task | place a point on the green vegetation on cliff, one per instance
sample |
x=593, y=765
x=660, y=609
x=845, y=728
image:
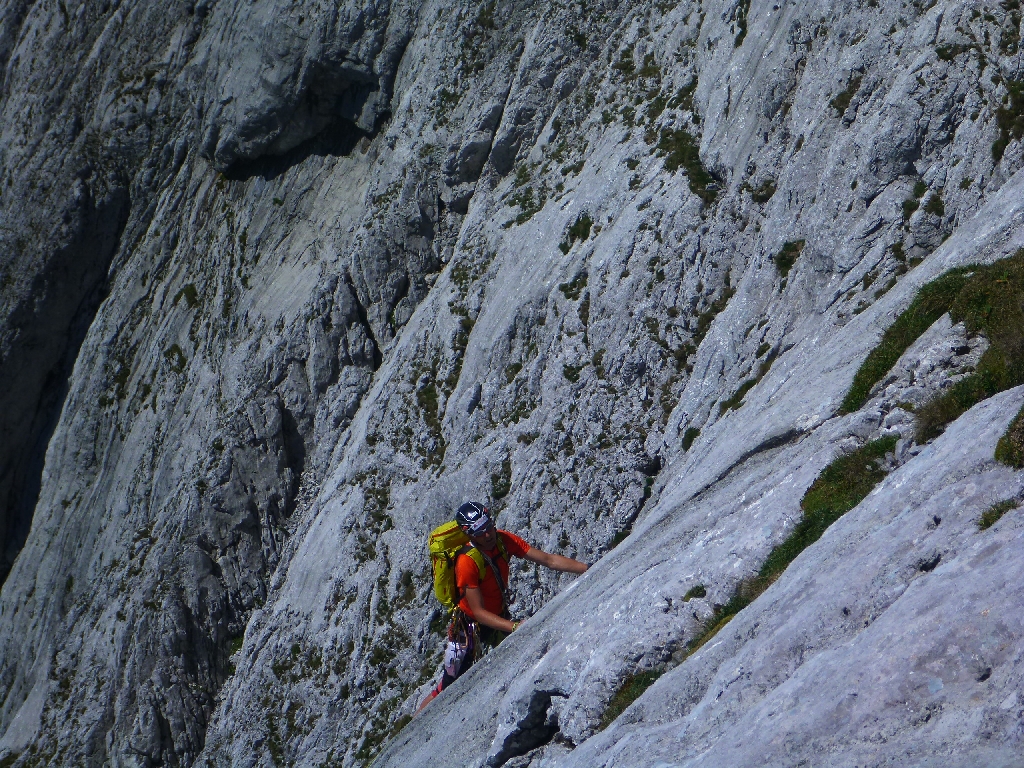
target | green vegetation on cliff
x=989, y=300
x=840, y=487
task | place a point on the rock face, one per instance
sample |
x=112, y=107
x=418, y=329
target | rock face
x=282, y=284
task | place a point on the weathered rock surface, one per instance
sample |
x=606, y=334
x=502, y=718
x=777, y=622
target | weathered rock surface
x=282, y=284
x=893, y=641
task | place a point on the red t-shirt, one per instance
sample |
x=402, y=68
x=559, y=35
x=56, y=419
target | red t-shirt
x=468, y=575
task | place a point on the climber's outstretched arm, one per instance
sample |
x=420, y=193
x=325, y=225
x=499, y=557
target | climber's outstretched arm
x=557, y=562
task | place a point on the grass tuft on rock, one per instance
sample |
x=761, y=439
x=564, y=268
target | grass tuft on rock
x=991, y=303
x=574, y=288
x=175, y=358
x=935, y=205
x=698, y=591
x=741, y=22
x=1010, y=448
x=991, y=515
x=705, y=318
x=736, y=400
x=682, y=150
x=786, y=258
x=1009, y=118
x=989, y=300
x=840, y=487
x=580, y=230
x=572, y=372
x=763, y=193
x=630, y=690
x=842, y=100
x=501, y=482
x=931, y=303
x=400, y=723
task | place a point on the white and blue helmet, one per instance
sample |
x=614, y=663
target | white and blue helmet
x=473, y=518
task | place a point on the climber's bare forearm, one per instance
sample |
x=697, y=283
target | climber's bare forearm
x=556, y=562
x=476, y=604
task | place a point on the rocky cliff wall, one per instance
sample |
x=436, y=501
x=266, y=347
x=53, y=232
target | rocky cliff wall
x=283, y=284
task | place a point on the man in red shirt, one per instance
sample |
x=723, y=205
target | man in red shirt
x=482, y=614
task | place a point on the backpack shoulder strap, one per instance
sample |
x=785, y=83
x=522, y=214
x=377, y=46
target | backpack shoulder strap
x=476, y=556
x=502, y=586
x=509, y=599
x=484, y=562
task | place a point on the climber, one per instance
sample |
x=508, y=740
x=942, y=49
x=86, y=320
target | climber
x=482, y=613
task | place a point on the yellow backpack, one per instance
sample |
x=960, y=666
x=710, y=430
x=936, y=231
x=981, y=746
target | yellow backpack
x=446, y=543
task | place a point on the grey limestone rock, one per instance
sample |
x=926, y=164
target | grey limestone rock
x=282, y=284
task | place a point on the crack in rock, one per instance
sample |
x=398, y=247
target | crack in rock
x=537, y=728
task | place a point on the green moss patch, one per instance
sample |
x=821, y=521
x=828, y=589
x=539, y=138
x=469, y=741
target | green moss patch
x=630, y=690
x=1009, y=118
x=992, y=514
x=1010, y=448
x=840, y=487
x=931, y=303
x=681, y=150
x=786, y=258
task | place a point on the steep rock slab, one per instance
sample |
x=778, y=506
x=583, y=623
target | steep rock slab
x=546, y=368
x=891, y=641
x=628, y=613
x=929, y=639
x=83, y=144
x=244, y=321
x=534, y=377
x=512, y=387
